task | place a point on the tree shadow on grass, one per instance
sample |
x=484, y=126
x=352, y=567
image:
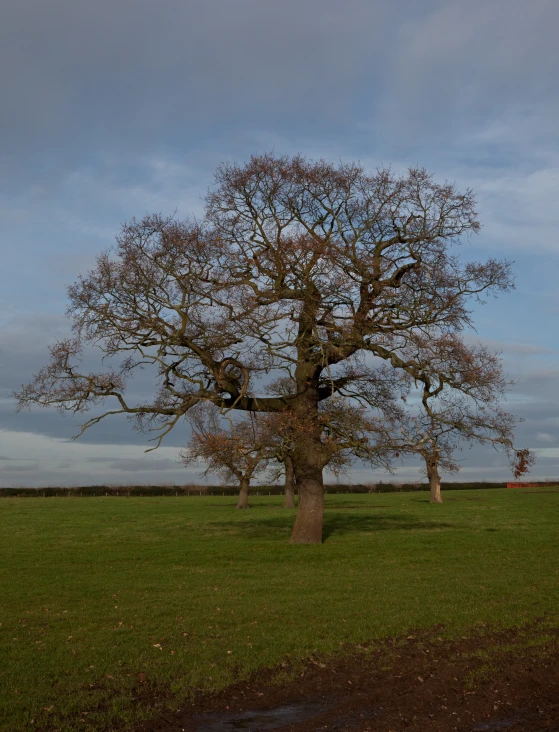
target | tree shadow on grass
x=447, y=500
x=338, y=524
x=342, y=524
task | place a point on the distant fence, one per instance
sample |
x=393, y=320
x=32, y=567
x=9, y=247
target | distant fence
x=259, y=490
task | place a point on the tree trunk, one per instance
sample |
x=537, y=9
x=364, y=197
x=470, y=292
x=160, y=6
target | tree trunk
x=289, y=484
x=243, y=494
x=434, y=482
x=309, y=455
x=310, y=510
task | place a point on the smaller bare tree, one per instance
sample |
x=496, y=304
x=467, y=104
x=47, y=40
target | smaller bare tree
x=447, y=422
x=436, y=444
x=237, y=453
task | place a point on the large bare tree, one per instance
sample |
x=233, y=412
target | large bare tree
x=306, y=269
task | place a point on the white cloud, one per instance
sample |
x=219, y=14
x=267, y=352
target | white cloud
x=22, y=445
x=69, y=462
x=547, y=452
x=545, y=437
x=520, y=210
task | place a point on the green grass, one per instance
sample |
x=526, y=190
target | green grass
x=189, y=594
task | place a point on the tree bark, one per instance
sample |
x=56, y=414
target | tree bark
x=309, y=455
x=434, y=483
x=242, y=501
x=289, y=484
x=307, y=528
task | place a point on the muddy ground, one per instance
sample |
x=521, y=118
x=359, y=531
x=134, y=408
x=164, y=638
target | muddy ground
x=487, y=683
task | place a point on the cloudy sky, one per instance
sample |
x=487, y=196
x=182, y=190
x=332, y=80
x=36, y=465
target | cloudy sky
x=116, y=109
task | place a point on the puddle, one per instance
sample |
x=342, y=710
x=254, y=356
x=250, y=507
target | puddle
x=496, y=725
x=261, y=720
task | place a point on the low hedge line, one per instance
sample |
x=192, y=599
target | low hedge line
x=212, y=490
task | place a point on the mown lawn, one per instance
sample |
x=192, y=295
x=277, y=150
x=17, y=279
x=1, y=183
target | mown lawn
x=102, y=599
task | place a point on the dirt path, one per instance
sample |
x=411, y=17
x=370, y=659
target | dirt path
x=505, y=681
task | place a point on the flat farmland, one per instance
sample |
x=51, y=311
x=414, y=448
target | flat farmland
x=115, y=609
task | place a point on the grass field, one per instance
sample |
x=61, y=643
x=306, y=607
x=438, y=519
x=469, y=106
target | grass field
x=102, y=598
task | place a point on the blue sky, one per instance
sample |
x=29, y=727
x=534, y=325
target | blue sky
x=116, y=109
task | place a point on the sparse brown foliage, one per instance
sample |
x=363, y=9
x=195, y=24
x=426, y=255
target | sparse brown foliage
x=524, y=459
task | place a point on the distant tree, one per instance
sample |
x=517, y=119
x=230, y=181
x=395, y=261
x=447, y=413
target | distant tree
x=299, y=268
x=236, y=452
x=436, y=444
x=447, y=419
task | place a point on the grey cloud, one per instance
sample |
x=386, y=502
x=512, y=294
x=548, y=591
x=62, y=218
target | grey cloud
x=98, y=459
x=115, y=430
x=74, y=478
x=24, y=344
x=462, y=62
x=541, y=376
x=144, y=465
x=19, y=460
x=20, y=468
x=113, y=74
x=90, y=72
x=540, y=387
x=63, y=478
x=518, y=349
x=512, y=202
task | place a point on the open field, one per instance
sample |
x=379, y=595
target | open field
x=105, y=601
